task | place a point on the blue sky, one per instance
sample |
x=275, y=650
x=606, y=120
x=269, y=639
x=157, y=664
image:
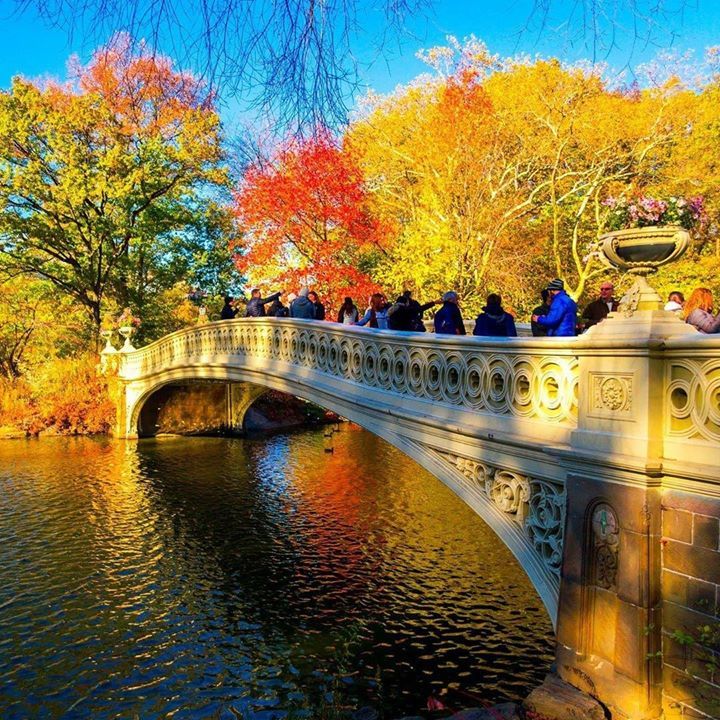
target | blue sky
x=32, y=49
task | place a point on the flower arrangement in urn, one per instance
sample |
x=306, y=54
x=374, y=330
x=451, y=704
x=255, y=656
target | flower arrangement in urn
x=643, y=233
x=127, y=319
x=645, y=211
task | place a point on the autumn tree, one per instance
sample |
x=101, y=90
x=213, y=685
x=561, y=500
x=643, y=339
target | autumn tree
x=589, y=142
x=306, y=221
x=94, y=173
x=496, y=169
x=454, y=179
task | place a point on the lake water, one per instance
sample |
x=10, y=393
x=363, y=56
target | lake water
x=250, y=578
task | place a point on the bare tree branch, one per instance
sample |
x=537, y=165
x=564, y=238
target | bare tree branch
x=290, y=60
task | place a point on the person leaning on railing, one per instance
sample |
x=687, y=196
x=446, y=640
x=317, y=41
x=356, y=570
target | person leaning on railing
x=448, y=319
x=698, y=311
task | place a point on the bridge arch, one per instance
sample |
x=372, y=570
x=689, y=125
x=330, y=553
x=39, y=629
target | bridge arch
x=497, y=495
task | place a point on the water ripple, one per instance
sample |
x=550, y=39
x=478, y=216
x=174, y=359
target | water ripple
x=244, y=578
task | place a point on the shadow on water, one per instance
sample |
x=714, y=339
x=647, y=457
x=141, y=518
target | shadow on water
x=208, y=575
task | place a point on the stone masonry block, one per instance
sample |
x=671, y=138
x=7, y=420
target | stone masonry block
x=675, y=654
x=638, y=561
x=692, y=691
x=675, y=710
x=701, y=596
x=630, y=641
x=706, y=531
x=674, y=587
x=677, y=525
x=689, y=502
x=558, y=700
x=695, y=561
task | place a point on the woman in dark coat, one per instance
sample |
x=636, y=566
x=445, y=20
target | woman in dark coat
x=493, y=321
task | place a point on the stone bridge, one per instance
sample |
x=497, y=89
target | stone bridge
x=594, y=459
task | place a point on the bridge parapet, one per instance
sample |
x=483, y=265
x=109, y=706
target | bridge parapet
x=521, y=379
x=691, y=388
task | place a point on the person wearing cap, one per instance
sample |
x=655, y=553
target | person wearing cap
x=598, y=309
x=448, y=319
x=561, y=318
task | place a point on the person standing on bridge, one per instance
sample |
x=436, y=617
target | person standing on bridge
x=599, y=309
x=376, y=316
x=561, y=319
x=417, y=310
x=319, y=307
x=348, y=314
x=302, y=307
x=493, y=321
x=278, y=307
x=256, y=304
x=698, y=311
x=229, y=311
x=448, y=319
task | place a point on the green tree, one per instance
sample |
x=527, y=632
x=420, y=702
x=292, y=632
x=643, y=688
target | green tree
x=94, y=171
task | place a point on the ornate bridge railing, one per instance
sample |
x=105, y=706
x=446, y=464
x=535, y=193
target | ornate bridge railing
x=519, y=379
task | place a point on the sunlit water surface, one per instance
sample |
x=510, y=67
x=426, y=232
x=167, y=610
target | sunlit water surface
x=255, y=578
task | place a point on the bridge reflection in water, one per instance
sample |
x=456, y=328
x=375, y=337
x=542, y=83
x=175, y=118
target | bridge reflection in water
x=566, y=447
x=212, y=576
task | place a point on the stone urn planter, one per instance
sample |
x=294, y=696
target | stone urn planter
x=643, y=250
x=127, y=332
x=640, y=252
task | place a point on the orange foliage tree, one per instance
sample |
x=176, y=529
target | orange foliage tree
x=306, y=221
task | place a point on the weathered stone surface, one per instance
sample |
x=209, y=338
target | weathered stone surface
x=557, y=700
x=694, y=561
x=675, y=587
x=691, y=502
x=705, y=532
x=677, y=525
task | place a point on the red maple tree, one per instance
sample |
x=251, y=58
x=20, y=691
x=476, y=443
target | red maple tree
x=306, y=221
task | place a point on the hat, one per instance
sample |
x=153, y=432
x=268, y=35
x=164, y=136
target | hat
x=555, y=285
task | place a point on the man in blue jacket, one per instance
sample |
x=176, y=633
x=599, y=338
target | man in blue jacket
x=561, y=319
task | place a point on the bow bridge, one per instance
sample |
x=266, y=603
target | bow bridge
x=594, y=459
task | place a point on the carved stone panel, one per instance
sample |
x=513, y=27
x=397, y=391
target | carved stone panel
x=605, y=531
x=611, y=396
x=537, y=505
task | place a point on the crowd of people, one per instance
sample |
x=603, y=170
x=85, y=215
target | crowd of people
x=556, y=316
